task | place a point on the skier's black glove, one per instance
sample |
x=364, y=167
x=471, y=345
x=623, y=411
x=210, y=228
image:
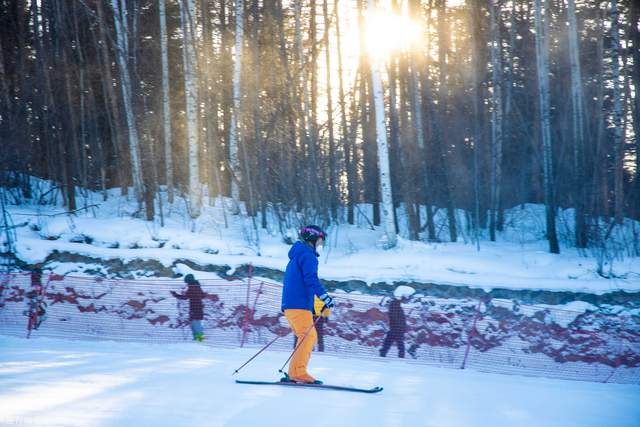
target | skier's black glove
x=327, y=300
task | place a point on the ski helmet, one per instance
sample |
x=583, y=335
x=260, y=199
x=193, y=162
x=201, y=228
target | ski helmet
x=311, y=233
x=189, y=278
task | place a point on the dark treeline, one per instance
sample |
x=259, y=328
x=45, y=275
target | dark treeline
x=497, y=103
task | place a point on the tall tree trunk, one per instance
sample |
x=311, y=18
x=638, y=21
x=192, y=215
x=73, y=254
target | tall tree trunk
x=395, y=148
x=496, y=118
x=333, y=189
x=251, y=205
x=81, y=66
x=383, y=150
x=428, y=112
x=313, y=69
x=226, y=104
x=634, y=35
x=308, y=131
x=417, y=110
x=443, y=47
x=577, y=104
x=618, y=143
x=48, y=127
x=346, y=140
x=234, y=137
x=508, y=122
x=166, y=107
x=260, y=143
x=370, y=169
x=475, y=16
x=111, y=102
x=187, y=19
x=542, y=44
x=72, y=153
x=122, y=55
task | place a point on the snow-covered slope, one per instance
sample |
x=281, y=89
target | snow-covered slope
x=47, y=382
x=518, y=260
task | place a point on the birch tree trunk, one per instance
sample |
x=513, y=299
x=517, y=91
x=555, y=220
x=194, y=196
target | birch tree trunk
x=166, y=107
x=383, y=150
x=541, y=41
x=496, y=118
x=234, y=139
x=395, y=149
x=187, y=20
x=122, y=55
x=260, y=147
x=617, y=115
x=577, y=110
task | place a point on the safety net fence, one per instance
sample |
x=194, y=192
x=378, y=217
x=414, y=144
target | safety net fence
x=499, y=336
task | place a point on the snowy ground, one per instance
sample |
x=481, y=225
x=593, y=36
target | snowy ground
x=47, y=382
x=519, y=259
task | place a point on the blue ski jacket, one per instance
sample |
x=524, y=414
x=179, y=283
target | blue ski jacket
x=301, y=281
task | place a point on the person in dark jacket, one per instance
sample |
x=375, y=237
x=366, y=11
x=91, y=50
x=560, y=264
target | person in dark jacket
x=37, y=306
x=195, y=295
x=301, y=284
x=397, y=328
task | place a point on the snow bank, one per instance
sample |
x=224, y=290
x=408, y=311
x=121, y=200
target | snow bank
x=516, y=261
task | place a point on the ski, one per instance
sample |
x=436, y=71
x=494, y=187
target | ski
x=323, y=386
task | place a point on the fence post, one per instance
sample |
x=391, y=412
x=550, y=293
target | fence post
x=470, y=334
x=255, y=301
x=245, y=325
x=615, y=368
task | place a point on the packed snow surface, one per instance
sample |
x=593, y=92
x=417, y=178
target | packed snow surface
x=51, y=382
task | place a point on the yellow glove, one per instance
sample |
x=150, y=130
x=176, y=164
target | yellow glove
x=317, y=308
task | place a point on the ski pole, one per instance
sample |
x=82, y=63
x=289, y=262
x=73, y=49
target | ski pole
x=300, y=342
x=256, y=355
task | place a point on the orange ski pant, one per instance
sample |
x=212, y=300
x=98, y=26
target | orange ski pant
x=301, y=321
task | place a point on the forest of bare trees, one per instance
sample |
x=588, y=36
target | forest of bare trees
x=307, y=106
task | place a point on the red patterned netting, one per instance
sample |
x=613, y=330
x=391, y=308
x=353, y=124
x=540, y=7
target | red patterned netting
x=494, y=335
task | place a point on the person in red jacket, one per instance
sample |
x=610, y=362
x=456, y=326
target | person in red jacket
x=195, y=295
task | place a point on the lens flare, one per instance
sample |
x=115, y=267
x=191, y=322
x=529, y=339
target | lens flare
x=389, y=32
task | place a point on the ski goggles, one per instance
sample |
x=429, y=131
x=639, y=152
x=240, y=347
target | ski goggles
x=319, y=234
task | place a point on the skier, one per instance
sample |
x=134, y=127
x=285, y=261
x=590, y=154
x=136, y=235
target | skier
x=397, y=325
x=301, y=283
x=194, y=294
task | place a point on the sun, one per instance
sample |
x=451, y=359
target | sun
x=387, y=32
